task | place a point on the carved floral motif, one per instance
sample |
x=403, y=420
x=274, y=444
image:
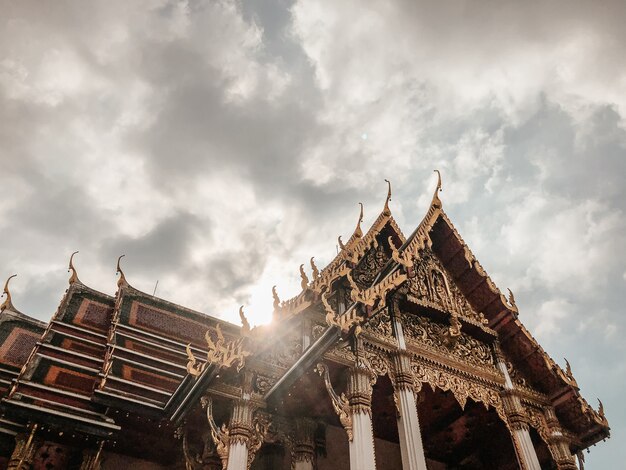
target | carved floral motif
x=432, y=287
x=435, y=336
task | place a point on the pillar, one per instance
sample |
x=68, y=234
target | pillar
x=359, y=395
x=558, y=443
x=518, y=420
x=411, y=446
x=240, y=435
x=91, y=458
x=26, y=444
x=303, y=456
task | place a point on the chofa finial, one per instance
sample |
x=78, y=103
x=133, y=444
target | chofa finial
x=122, y=280
x=601, y=409
x=276, y=298
x=341, y=245
x=7, y=304
x=304, y=280
x=357, y=231
x=316, y=272
x=436, y=199
x=386, y=210
x=245, y=325
x=74, y=276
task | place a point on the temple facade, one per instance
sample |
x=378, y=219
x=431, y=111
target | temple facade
x=400, y=354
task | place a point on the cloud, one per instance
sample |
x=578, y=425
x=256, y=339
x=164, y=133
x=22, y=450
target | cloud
x=220, y=144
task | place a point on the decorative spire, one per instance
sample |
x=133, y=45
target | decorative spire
x=568, y=369
x=436, y=201
x=601, y=409
x=122, y=280
x=512, y=299
x=245, y=325
x=304, y=283
x=276, y=298
x=7, y=304
x=386, y=210
x=74, y=276
x=316, y=272
x=341, y=245
x=357, y=231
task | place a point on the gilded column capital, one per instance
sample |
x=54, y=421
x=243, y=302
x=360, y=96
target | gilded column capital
x=26, y=444
x=402, y=375
x=361, y=378
x=515, y=412
x=304, y=440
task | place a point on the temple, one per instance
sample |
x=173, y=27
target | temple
x=401, y=353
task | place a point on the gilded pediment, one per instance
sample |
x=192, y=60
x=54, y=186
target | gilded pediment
x=433, y=287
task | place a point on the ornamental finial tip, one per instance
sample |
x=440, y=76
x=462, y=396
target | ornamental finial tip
x=341, y=245
x=436, y=199
x=122, y=280
x=386, y=210
x=74, y=276
x=600, y=408
x=316, y=272
x=276, y=298
x=357, y=231
x=245, y=325
x=304, y=280
x=7, y=302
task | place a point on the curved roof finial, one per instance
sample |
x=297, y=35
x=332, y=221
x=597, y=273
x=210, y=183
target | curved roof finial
x=357, y=231
x=304, y=282
x=245, y=325
x=436, y=199
x=7, y=304
x=122, y=280
x=276, y=298
x=386, y=210
x=74, y=276
x=316, y=272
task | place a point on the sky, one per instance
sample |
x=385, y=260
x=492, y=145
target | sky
x=220, y=144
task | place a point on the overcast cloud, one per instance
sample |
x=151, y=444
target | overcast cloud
x=221, y=144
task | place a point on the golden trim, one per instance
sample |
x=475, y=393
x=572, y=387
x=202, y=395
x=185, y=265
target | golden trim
x=74, y=276
x=7, y=304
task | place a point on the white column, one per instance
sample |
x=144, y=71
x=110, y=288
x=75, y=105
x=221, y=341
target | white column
x=359, y=394
x=411, y=446
x=304, y=444
x=362, y=456
x=524, y=448
x=244, y=440
x=237, y=456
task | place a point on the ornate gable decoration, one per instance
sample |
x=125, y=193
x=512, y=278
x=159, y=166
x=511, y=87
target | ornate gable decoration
x=432, y=287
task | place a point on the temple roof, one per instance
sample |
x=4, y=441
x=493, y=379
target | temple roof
x=131, y=351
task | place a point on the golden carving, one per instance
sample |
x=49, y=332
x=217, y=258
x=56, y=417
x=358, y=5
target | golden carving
x=316, y=272
x=339, y=402
x=304, y=280
x=221, y=352
x=219, y=435
x=377, y=293
x=122, y=280
x=345, y=321
x=74, y=276
x=404, y=259
x=434, y=336
x=431, y=287
x=7, y=304
x=276, y=299
x=462, y=388
x=386, y=210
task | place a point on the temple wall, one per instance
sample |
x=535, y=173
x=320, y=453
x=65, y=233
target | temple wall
x=112, y=461
x=338, y=458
